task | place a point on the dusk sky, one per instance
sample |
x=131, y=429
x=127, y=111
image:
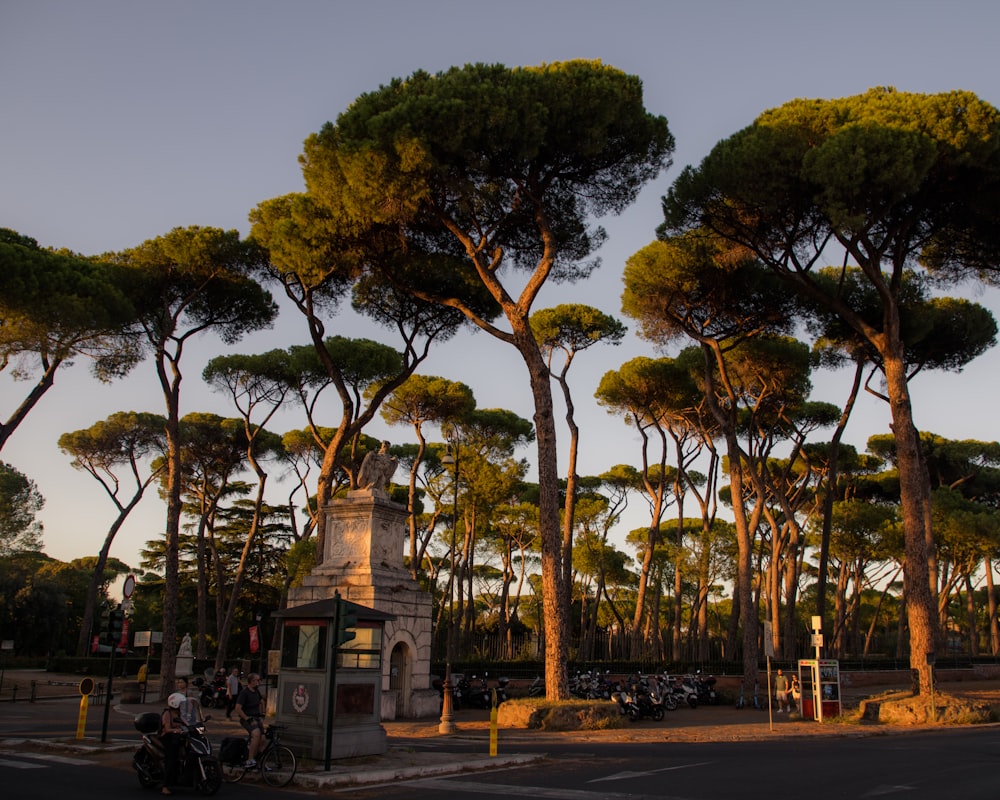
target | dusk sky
x=123, y=120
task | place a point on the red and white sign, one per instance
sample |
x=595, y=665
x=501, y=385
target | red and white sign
x=254, y=639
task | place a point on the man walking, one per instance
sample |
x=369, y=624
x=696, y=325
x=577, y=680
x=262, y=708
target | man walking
x=781, y=692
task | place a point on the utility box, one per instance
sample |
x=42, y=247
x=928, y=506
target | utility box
x=330, y=691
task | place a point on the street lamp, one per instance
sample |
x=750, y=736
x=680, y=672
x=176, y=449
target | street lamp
x=447, y=724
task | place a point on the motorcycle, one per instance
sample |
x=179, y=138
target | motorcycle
x=686, y=691
x=477, y=693
x=213, y=695
x=537, y=687
x=197, y=768
x=641, y=699
x=705, y=687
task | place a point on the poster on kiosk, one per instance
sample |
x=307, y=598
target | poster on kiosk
x=820, y=681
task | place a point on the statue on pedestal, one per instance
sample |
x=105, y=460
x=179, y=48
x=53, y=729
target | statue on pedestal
x=377, y=469
x=185, y=661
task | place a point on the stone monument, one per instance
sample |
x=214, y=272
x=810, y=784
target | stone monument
x=184, y=665
x=362, y=558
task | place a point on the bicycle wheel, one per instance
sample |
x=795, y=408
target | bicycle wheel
x=278, y=766
x=233, y=773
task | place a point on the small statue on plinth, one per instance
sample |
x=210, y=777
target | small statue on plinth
x=184, y=664
x=377, y=469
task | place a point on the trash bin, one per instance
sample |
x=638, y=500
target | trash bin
x=132, y=692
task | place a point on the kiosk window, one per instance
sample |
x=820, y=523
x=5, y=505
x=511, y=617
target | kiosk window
x=364, y=651
x=304, y=646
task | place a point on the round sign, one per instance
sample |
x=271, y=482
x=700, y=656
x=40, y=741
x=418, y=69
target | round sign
x=129, y=586
x=87, y=686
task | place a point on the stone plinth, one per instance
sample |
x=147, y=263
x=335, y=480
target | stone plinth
x=363, y=560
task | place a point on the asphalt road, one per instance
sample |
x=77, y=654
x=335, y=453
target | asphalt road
x=948, y=765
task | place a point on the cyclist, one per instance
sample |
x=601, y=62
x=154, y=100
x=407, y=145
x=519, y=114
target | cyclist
x=249, y=710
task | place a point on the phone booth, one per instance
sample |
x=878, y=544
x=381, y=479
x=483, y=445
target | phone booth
x=820, y=682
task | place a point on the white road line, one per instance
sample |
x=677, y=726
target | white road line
x=6, y=762
x=621, y=776
x=52, y=758
x=470, y=787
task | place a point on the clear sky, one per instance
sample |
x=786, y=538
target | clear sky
x=122, y=119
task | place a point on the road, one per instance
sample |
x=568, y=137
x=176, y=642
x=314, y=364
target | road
x=959, y=764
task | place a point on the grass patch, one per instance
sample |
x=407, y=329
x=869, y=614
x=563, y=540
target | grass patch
x=563, y=715
x=903, y=708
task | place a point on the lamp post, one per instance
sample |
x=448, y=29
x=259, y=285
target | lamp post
x=447, y=724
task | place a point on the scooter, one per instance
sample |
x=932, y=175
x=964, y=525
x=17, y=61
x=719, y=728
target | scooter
x=197, y=768
x=213, y=694
x=641, y=700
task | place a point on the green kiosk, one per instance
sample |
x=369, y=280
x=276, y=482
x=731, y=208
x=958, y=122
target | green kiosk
x=329, y=684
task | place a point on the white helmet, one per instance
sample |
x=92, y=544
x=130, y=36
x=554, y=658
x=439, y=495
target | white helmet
x=175, y=700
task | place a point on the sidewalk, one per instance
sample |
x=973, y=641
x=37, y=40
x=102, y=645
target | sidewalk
x=417, y=750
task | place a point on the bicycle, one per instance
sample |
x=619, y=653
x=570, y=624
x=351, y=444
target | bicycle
x=276, y=762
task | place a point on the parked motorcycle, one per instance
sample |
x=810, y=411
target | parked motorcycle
x=213, y=694
x=197, y=768
x=537, y=687
x=641, y=700
x=705, y=686
x=684, y=690
x=477, y=692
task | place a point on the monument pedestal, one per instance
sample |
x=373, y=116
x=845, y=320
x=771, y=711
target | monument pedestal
x=363, y=560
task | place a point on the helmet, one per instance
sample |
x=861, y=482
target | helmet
x=175, y=700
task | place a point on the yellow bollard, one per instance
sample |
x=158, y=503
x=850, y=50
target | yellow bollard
x=86, y=687
x=493, y=725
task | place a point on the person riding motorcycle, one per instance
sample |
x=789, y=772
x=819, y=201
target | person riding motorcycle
x=172, y=736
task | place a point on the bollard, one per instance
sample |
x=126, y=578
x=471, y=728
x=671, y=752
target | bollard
x=31, y=699
x=13, y=693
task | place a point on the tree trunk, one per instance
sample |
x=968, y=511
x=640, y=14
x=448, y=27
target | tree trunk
x=554, y=590
x=914, y=502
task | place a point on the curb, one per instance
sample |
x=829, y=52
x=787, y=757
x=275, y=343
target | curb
x=377, y=776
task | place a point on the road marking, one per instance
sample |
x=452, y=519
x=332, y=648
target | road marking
x=878, y=791
x=470, y=787
x=48, y=757
x=622, y=776
x=6, y=762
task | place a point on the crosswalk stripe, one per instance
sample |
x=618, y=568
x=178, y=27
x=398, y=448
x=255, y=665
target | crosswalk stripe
x=49, y=757
x=7, y=762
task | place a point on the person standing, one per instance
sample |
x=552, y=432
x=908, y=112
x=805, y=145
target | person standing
x=232, y=690
x=796, y=692
x=190, y=709
x=781, y=691
x=250, y=712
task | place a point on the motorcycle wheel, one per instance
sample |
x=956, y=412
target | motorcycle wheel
x=209, y=778
x=692, y=701
x=658, y=713
x=278, y=766
x=670, y=702
x=633, y=714
x=147, y=770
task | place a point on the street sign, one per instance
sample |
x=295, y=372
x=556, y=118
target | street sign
x=128, y=587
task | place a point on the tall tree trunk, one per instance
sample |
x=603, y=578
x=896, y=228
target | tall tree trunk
x=914, y=502
x=991, y=598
